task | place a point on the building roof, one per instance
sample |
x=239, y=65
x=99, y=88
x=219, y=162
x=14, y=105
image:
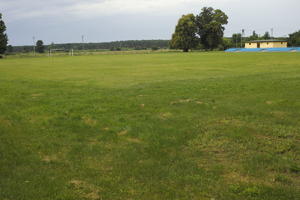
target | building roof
x=282, y=49
x=257, y=41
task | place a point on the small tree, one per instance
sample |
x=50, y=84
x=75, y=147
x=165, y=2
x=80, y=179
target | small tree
x=40, y=48
x=185, y=34
x=3, y=36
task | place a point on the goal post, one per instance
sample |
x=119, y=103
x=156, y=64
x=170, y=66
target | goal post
x=53, y=52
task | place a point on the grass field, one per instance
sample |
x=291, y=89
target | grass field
x=196, y=126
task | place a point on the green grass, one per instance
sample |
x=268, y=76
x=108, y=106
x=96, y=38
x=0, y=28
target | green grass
x=150, y=126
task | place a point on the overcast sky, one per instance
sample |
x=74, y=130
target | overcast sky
x=62, y=21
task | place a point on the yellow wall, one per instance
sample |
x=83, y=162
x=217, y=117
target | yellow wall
x=279, y=44
x=266, y=45
x=250, y=45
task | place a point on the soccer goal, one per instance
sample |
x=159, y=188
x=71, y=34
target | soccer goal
x=53, y=52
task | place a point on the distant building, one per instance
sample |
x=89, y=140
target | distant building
x=266, y=44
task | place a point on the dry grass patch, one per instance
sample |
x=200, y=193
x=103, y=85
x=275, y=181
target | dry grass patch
x=86, y=190
x=89, y=121
x=269, y=102
x=181, y=101
x=38, y=118
x=37, y=95
x=233, y=122
x=279, y=114
x=134, y=140
x=103, y=163
x=166, y=115
x=5, y=122
x=122, y=133
x=49, y=158
x=236, y=177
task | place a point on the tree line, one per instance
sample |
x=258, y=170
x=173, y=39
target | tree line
x=113, y=46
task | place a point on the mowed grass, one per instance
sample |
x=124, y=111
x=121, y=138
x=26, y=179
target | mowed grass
x=195, y=126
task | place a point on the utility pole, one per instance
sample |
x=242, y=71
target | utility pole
x=82, y=40
x=33, y=39
x=272, y=32
x=243, y=31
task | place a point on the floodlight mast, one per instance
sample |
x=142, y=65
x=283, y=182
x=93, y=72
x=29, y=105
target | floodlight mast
x=82, y=40
x=272, y=32
x=243, y=32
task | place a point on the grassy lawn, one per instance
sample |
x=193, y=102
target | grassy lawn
x=196, y=126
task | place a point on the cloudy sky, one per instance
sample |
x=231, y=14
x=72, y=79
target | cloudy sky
x=62, y=21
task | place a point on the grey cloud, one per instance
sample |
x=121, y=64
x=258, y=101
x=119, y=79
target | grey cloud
x=106, y=20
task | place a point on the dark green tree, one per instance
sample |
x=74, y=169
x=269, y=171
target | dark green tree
x=210, y=24
x=266, y=36
x=185, y=34
x=40, y=48
x=254, y=36
x=10, y=49
x=236, y=39
x=3, y=36
x=294, y=39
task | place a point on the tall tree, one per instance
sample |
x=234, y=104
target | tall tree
x=266, y=36
x=10, y=49
x=236, y=39
x=185, y=34
x=254, y=36
x=3, y=36
x=40, y=48
x=294, y=39
x=210, y=24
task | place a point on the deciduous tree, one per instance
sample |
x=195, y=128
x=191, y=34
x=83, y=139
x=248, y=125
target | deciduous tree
x=185, y=34
x=3, y=36
x=236, y=39
x=294, y=39
x=254, y=36
x=210, y=24
x=40, y=48
x=266, y=36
